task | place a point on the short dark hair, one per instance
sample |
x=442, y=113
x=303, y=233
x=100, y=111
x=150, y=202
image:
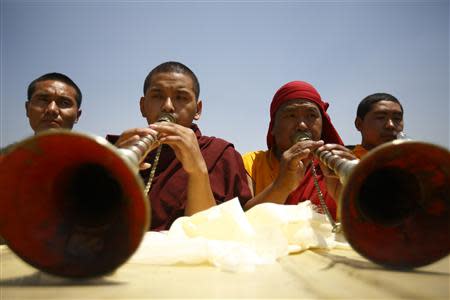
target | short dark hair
x=176, y=67
x=366, y=104
x=58, y=77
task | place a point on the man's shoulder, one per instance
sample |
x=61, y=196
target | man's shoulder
x=253, y=161
x=217, y=139
x=253, y=155
x=214, y=143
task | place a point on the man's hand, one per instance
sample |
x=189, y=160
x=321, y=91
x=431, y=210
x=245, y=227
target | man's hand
x=333, y=183
x=131, y=136
x=185, y=145
x=293, y=163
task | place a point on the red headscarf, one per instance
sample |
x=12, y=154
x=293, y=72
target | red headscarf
x=302, y=90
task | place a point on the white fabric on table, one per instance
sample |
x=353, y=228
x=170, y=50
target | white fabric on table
x=233, y=240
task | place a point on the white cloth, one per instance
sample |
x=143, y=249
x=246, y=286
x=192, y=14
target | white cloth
x=232, y=240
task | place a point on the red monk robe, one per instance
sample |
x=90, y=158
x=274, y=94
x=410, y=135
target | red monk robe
x=306, y=190
x=168, y=192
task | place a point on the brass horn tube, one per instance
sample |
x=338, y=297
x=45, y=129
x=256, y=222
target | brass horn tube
x=137, y=152
x=394, y=207
x=72, y=204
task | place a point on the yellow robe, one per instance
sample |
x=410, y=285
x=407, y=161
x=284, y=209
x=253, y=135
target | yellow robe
x=262, y=167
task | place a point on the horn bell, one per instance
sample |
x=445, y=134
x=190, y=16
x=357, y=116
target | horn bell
x=394, y=209
x=70, y=205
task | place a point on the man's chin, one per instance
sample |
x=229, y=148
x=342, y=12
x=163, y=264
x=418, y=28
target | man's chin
x=388, y=139
x=48, y=128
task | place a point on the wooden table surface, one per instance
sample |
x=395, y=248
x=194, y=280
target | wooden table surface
x=312, y=274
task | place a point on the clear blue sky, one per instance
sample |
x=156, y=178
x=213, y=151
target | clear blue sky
x=241, y=51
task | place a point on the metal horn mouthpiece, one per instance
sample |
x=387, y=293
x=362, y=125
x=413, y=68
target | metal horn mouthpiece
x=394, y=207
x=72, y=204
x=301, y=136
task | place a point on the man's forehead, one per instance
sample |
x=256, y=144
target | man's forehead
x=171, y=79
x=54, y=86
x=298, y=104
x=386, y=106
x=53, y=83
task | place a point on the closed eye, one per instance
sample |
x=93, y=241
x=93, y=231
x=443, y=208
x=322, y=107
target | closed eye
x=65, y=103
x=156, y=95
x=290, y=116
x=181, y=97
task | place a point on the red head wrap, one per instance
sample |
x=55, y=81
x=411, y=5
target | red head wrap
x=302, y=90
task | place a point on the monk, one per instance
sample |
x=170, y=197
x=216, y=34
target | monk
x=53, y=102
x=195, y=172
x=379, y=119
x=284, y=173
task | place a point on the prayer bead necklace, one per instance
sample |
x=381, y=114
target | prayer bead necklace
x=304, y=136
x=336, y=226
x=152, y=171
x=165, y=117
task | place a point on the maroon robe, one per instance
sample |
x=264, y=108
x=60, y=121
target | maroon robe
x=168, y=193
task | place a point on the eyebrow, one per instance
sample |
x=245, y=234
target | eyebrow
x=184, y=91
x=44, y=93
x=385, y=112
x=290, y=108
x=178, y=88
x=41, y=93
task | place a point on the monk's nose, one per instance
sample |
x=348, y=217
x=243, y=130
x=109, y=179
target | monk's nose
x=168, y=105
x=52, y=108
x=301, y=125
x=390, y=123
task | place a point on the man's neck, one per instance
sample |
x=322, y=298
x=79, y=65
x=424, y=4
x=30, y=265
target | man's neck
x=367, y=146
x=277, y=153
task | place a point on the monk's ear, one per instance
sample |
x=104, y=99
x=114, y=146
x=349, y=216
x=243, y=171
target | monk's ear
x=198, y=113
x=274, y=124
x=358, y=123
x=78, y=115
x=142, y=106
x=27, y=104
